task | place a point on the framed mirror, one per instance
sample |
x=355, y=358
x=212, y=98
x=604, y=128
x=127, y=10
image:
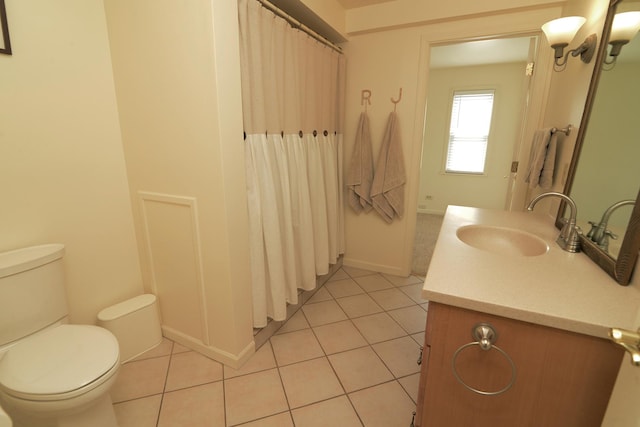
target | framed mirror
x=604, y=174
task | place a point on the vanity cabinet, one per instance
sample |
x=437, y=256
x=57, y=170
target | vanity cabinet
x=562, y=378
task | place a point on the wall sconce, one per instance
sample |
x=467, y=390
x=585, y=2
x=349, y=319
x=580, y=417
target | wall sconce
x=625, y=26
x=560, y=32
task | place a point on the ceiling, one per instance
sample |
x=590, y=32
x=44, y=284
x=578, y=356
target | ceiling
x=481, y=52
x=352, y=4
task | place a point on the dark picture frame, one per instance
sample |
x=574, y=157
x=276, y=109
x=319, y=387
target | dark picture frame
x=5, y=47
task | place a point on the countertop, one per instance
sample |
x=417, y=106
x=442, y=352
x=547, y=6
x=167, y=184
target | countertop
x=557, y=289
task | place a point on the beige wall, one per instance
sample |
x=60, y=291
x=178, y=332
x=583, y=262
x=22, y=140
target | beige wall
x=177, y=75
x=489, y=190
x=383, y=62
x=568, y=94
x=62, y=169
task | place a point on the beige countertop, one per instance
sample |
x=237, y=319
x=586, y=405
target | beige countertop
x=557, y=289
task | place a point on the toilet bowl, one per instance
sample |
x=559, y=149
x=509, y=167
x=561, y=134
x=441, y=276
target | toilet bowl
x=58, y=372
x=58, y=375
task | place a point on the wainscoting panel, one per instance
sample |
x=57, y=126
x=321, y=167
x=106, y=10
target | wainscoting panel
x=172, y=245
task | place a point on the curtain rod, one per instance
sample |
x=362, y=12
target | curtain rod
x=298, y=25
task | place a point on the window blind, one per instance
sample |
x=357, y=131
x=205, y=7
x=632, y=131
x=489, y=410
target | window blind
x=471, y=113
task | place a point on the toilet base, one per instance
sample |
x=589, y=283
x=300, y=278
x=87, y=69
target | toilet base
x=100, y=414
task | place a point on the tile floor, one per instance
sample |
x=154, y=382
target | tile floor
x=346, y=358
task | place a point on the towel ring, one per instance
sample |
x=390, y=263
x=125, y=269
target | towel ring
x=485, y=336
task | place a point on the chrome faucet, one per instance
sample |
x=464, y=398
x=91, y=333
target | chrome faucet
x=599, y=233
x=568, y=238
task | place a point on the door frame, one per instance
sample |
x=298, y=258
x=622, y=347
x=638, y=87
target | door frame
x=540, y=85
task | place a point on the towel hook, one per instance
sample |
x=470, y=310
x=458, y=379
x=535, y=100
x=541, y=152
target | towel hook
x=395, y=101
x=365, y=98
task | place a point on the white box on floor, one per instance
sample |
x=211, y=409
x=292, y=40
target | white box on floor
x=135, y=323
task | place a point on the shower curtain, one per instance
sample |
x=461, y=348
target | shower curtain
x=292, y=96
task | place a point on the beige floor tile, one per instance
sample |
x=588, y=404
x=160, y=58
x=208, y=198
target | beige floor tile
x=321, y=295
x=323, y=312
x=385, y=405
x=414, y=292
x=419, y=337
x=373, y=283
x=378, y=327
x=254, y=396
x=179, y=348
x=403, y=281
x=163, y=349
x=267, y=332
x=359, y=368
x=410, y=385
x=339, y=275
x=279, y=420
x=336, y=412
x=140, y=379
x=295, y=323
x=306, y=295
x=295, y=347
x=400, y=355
x=340, y=336
x=412, y=319
x=359, y=305
x=343, y=288
x=309, y=382
x=190, y=369
x=261, y=361
x=357, y=272
x=139, y=412
x=390, y=299
x=201, y=406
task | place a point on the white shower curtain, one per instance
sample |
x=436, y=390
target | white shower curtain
x=292, y=95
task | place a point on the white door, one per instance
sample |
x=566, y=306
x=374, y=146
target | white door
x=505, y=75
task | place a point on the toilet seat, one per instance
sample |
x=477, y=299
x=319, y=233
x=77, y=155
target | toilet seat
x=60, y=363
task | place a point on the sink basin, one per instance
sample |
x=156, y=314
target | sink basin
x=502, y=241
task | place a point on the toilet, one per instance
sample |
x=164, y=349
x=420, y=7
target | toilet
x=52, y=373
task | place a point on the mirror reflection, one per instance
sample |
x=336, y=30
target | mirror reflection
x=607, y=177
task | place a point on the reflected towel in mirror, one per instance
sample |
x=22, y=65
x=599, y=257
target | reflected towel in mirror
x=542, y=159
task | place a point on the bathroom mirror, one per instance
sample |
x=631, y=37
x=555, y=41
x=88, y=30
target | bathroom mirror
x=604, y=168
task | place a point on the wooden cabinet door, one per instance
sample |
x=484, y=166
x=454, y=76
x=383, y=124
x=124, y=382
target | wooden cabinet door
x=562, y=379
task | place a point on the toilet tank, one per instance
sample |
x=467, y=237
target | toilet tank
x=32, y=293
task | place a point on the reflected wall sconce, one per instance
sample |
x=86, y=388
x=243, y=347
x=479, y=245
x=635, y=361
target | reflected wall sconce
x=560, y=32
x=624, y=28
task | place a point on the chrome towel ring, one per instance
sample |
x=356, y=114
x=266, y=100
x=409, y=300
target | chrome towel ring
x=486, y=337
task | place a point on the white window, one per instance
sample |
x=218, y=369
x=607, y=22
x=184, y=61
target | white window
x=469, y=131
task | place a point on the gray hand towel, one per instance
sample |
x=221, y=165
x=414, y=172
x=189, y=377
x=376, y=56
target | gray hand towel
x=387, y=190
x=360, y=175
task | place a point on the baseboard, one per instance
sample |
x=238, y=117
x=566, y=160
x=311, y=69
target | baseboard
x=431, y=212
x=229, y=359
x=378, y=268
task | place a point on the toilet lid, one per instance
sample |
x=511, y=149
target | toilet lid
x=59, y=360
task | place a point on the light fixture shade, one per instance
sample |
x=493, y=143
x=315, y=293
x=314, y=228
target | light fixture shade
x=562, y=30
x=625, y=26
